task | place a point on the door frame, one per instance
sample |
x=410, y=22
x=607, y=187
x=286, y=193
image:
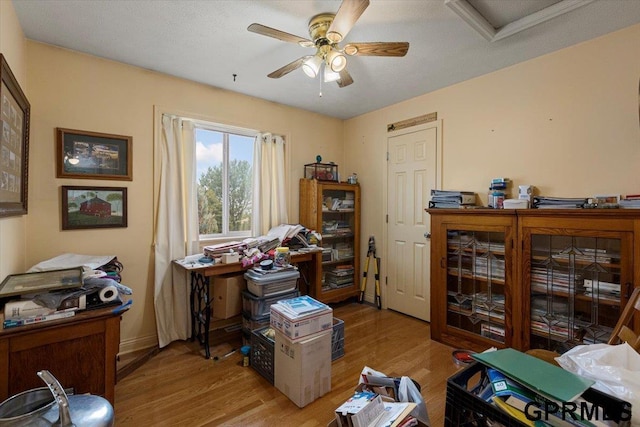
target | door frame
x=438, y=125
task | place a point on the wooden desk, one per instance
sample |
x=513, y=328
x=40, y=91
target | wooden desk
x=79, y=351
x=200, y=290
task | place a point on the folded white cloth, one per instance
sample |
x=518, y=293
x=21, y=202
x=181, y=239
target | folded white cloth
x=87, y=262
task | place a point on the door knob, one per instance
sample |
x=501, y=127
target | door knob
x=427, y=235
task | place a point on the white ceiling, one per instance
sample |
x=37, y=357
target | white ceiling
x=207, y=41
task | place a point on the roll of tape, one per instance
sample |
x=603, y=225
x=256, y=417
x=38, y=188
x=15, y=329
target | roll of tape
x=108, y=293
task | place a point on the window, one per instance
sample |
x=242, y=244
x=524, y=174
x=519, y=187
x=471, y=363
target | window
x=224, y=171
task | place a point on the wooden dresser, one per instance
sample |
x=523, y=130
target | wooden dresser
x=79, y=351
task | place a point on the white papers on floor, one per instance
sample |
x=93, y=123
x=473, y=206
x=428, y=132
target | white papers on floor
x=394, y=412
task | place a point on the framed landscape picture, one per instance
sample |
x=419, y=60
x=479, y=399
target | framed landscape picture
x=93, y=155
x=93, y=207
x=14, y=144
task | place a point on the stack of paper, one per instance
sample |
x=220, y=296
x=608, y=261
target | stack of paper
x=302, y=306
x=216, y=251
x=451, y=199
x=630, y=202
x=285, y=231
x=540, y=202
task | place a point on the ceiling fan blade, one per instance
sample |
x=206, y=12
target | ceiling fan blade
x=346, y=17
x=345, y=78
x=377, y=49
x=287, y=68
x=280, y=35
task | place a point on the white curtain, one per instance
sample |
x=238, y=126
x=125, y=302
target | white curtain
x=176, y=234
x=269, y=183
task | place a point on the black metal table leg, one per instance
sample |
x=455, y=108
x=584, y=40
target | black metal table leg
x=192, y=304
x=201, y=310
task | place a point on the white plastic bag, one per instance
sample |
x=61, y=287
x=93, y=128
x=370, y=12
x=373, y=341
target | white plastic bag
x=614, y=368
x=407, y=392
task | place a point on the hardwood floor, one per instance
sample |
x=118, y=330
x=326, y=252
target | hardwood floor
x=179, y=387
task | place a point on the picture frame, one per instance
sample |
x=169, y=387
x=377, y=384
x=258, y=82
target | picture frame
x=41, y=281
x=85, y=207
x=14, y=144
x=93, y=155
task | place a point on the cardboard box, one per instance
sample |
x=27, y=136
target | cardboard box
x=360, y=410
x=227, y=295
x=303, y=369
x=230, y=258
x=302, y=327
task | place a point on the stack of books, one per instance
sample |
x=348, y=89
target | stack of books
x=27, y=312
x=446, y=199
x=540, y=202
x=630, y=201
x=602, y=290
x=336, y=228
x=339, y=277
x=499, y=184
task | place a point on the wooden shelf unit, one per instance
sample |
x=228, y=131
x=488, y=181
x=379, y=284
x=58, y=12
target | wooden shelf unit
x=549, y=258
x=316, y=214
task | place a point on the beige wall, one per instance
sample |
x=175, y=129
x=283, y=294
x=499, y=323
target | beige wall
x=78, y=91
x=12, y=229
x=566, y=122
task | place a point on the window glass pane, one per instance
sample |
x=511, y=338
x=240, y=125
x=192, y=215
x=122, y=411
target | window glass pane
x=209, y=162
x=224, y=163
x=240, y=182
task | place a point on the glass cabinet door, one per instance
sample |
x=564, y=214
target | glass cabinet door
x=338, y=225
x=576, y=287
x=476, y=282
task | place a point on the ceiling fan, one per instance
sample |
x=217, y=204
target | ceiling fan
x=326, y=31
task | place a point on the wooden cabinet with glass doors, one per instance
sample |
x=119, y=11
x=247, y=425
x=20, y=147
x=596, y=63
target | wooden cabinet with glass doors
x=333, y=210
x=578, y=272
x=531, y=278
x=472, y=271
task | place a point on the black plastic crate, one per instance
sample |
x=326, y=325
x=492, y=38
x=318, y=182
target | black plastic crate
x=262, y=353
x=337, y=339
x=464, y=408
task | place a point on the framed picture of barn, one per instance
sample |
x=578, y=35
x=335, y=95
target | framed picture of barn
x=93, y=207
x=93, y=155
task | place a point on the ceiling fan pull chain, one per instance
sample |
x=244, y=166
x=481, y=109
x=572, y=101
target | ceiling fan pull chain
x=321, y=79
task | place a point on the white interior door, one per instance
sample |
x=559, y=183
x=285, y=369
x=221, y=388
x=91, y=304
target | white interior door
x=412, y=173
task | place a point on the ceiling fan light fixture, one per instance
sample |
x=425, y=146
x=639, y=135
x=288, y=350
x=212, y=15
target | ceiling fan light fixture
x=330, y=76
x=311, y=66
x=336, y=61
